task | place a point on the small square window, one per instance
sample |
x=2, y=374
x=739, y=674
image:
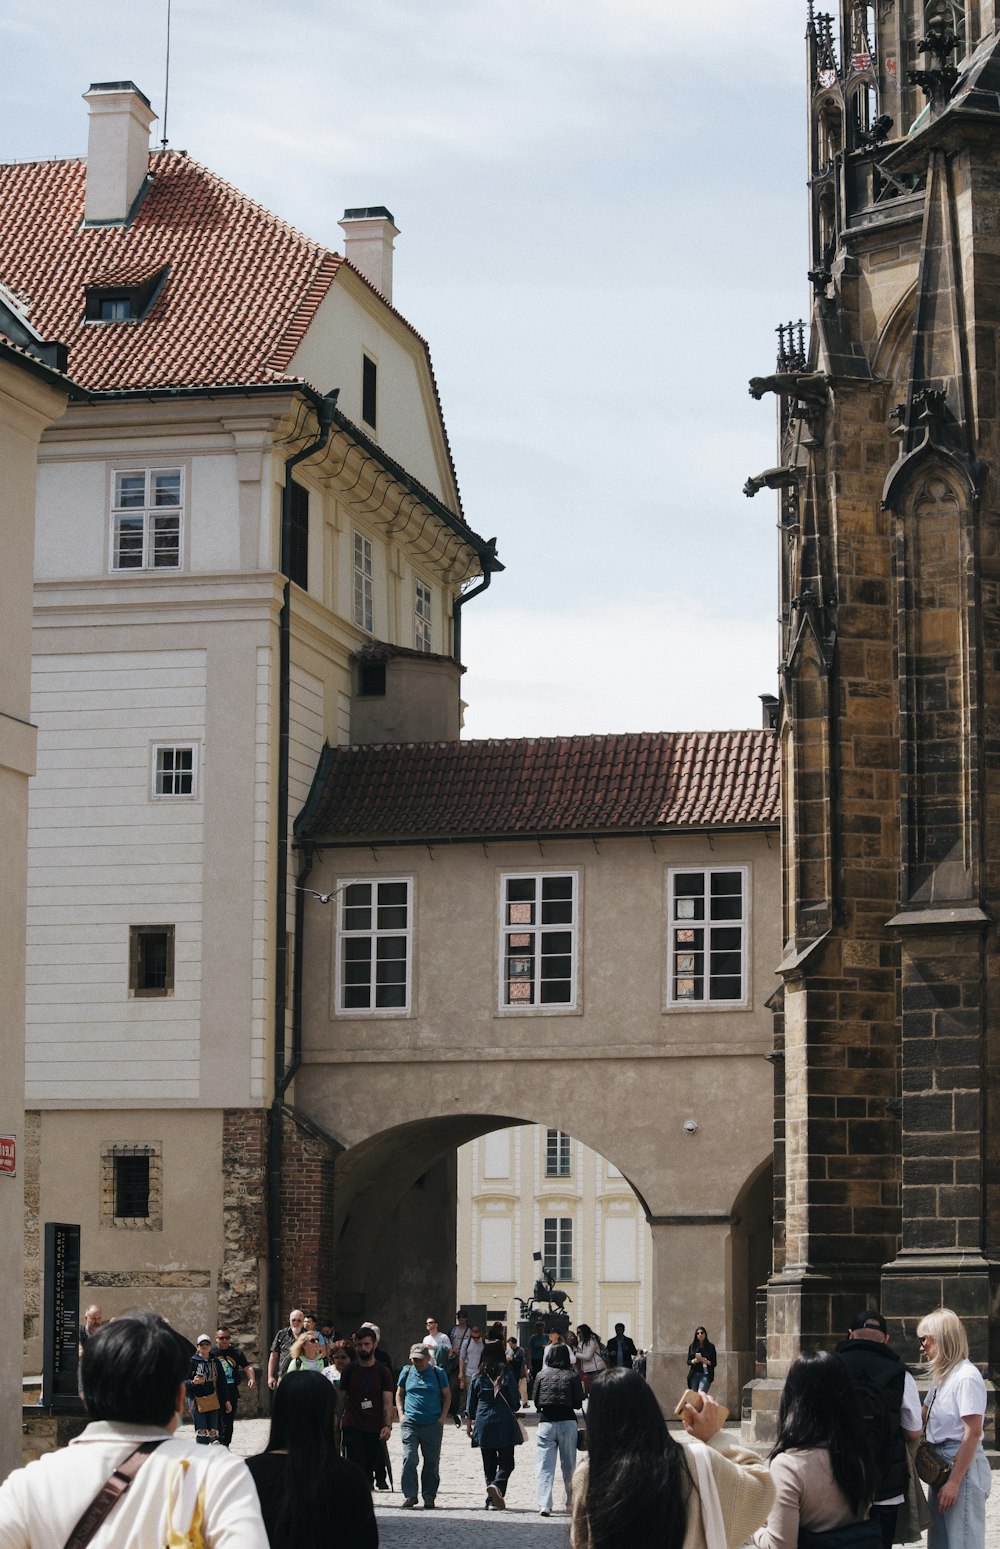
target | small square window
x=132, y=1187
x=174, y=769
x=151, y=960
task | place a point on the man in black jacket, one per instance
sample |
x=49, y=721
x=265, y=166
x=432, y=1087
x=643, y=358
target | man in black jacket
x=891, y=1407
x=621, y=1350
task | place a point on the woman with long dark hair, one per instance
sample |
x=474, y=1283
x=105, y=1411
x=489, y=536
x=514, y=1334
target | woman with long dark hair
x=638, y=1486
x=702, y=1362
x=309, y=1497
x=493, y=1403
x=821, y=1464
x=589, y=1360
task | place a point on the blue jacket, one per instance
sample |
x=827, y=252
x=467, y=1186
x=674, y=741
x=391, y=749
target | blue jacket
x=492, y=1414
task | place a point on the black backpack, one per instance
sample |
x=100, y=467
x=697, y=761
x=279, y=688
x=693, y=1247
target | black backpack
x=880, y=1408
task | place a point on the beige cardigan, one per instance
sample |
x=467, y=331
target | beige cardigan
x=746, y=1495
x=807, y=1496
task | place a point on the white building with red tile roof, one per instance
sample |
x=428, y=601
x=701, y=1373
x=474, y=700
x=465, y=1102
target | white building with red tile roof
x=251, y=483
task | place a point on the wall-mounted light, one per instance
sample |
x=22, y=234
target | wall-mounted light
x=690, y=1126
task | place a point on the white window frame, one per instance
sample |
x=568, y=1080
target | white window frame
x=373, y=933
x=564, y=1230
x=363, y=575
x=558, y=1154
x=148, y=512
x=536, y=1006
x=675, y=948
x=423, y=601
x=158, y=748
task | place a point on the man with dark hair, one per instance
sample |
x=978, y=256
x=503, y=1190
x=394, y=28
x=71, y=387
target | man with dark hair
x=367, y=1389
x=621, y=1349
x=132, y=1374
x=890, y=1406
x=234, y=1363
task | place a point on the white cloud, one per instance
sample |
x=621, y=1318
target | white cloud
x=655, y=665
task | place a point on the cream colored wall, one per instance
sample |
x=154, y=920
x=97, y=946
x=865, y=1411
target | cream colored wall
x=350, y=322
x=174, y=1270
x=514, y=1189
x=27, y=406
x=621, y=1073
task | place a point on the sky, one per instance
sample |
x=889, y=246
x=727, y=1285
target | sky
x=603, y=217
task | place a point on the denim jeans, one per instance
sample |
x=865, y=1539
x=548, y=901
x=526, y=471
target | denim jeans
x=498, y=1465
x=424, y=1439
x=963, y=1526
x=704, y=1381
x=554, y=1438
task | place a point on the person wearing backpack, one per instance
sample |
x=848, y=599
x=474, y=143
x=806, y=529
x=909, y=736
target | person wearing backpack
x=890, y=1405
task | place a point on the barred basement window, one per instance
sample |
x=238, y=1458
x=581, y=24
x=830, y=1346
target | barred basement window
x=708, y=937
x=558, y=1154
x=373, y=949
x=557, y=1248
x=151, y=960
x=538, y=941
x=131, y=1187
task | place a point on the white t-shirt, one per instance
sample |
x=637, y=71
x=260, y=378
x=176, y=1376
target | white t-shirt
x=436, y=1343
x=472, y=1354
x=963, y=1392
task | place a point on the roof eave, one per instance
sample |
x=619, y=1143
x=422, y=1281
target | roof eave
x=530, y=836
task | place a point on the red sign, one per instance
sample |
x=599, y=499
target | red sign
x=8, y=1155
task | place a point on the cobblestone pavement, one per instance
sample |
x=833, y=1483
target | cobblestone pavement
x=459, y=1522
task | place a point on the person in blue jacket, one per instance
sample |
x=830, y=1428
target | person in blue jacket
x=493, y=1404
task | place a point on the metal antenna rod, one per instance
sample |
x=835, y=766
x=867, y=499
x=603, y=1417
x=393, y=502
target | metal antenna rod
x=166, y=83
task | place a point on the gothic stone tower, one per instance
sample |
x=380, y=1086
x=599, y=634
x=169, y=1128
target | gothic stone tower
x=889, y=490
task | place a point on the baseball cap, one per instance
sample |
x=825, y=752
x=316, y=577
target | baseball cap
x=416, y=1350
x=870, y=1319
x=203, y=1339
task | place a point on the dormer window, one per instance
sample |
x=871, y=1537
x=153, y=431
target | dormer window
x=123, y=297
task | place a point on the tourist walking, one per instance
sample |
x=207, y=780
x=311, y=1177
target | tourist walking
x=821, y=1463
x=281, y=1346
x=589, y=1360
x=621, y=1349
x=307, y=1354
x=557, y=1395
x=208, y=1391
x=518, y=1363
x=493, y=1403
x=472, y=1354
x=367, y=1419
x=234, y=1363
x=437, y=1343
x=134, y=1377
x=309, y=1496
x=890, y=1406
x=637, y=1486
x=702, y=1362
x=953, y=1414
x=423, y=1397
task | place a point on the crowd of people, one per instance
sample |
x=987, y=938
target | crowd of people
x=854, y=1441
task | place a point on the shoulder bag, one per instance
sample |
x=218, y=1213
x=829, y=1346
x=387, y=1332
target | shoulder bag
x=110, y=1493
x=931, y=1467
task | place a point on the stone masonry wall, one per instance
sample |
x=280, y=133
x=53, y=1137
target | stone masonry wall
x=242, y=1291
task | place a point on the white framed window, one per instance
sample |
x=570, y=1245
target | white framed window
x=146, y=518
x=422, y=616
x=174, y=771
x=374, y=930
x=708, y=936
x=538, y=945
x=558, y=1154
x=557, y=1246
x=364, y=584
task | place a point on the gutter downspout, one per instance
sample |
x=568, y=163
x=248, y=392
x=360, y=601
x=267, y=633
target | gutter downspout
x=490, y=564
x=283, y=1076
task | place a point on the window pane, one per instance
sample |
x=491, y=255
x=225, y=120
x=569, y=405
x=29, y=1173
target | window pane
x=521, y=888
x=557, y=887
x=153, y=962
x=357, y=997
x=390, y=954
x=166, y=542
x=725, y=988
x=689, y=884
x=726, y=963
x=357, y=907
x=130, y=489
x=166, y=487
x=357, y=959
x=128, y=543
x=557, y=911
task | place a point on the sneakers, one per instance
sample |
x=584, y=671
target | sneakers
x=496, y=1497
x=409, y=1503
x=544, y=1512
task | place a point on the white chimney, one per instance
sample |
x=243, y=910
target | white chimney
x=368, y=237
x=117, y=150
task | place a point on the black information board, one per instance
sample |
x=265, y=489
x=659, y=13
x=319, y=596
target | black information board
x=61, y=1318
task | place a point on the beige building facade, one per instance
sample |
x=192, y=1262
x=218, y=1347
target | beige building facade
x=32, y=395
x=227, y=520
x=607, y=983
x=538, y=1190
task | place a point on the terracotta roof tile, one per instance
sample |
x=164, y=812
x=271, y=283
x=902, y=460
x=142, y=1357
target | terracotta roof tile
x=632, y=782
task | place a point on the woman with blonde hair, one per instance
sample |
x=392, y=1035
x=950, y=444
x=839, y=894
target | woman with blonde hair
x=953, y=1424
